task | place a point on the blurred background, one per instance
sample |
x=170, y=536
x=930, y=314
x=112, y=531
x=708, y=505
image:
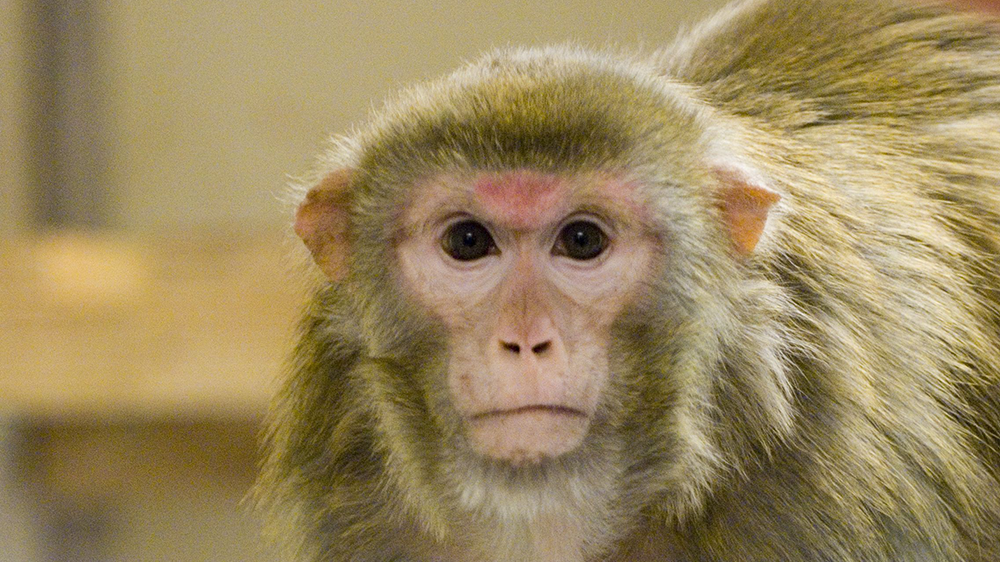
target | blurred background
x=148, y=281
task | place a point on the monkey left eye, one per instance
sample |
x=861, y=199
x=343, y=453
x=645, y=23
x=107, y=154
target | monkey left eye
x=468, y=240
x=581, y=240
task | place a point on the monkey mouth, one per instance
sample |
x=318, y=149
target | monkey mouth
x=527, y=434
x=536, y=408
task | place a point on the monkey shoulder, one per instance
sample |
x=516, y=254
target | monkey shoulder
x=815, y=62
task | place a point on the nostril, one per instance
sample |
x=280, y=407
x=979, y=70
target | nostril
x=542, y=347
x=511, y=347
x=516, y=348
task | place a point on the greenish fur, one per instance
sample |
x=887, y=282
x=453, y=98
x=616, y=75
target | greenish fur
x=833, y=397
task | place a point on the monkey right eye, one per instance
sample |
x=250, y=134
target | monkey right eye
x=468, y=240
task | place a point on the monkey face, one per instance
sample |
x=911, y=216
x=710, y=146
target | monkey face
x=527, y=272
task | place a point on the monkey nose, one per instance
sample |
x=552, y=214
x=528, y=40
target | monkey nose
x=538, y=349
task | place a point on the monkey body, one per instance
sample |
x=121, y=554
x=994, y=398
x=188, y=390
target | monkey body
x=736, y=301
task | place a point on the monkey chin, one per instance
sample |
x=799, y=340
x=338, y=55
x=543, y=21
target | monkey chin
x=528, y=435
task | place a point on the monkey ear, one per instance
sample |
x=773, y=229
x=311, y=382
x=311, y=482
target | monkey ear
x=745, y=204
x=321, y=221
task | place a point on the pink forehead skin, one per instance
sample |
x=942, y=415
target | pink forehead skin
x=525, y=199
x=522, y=199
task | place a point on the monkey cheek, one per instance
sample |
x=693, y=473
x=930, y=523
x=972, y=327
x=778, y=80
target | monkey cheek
x=528, y=436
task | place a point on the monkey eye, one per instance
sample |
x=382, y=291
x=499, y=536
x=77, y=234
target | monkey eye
x=581, y=240
x=468, y=240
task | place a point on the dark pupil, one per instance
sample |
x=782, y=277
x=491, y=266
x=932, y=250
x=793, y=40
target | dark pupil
x=467, y=240
x=583, y=240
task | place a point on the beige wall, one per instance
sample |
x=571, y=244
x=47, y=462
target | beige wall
x=13, y=169
x=213, y=104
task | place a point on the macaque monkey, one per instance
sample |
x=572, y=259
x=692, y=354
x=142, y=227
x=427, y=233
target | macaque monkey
x=734, y=301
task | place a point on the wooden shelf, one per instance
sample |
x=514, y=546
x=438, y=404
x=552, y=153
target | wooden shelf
x=107, y=326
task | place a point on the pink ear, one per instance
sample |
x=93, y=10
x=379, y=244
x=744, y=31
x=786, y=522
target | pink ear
x=321, y=221
x=745, y=206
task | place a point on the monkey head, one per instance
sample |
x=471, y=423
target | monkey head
x=522, y=246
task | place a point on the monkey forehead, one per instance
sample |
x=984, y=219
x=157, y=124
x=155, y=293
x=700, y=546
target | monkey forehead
x=522, y=199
